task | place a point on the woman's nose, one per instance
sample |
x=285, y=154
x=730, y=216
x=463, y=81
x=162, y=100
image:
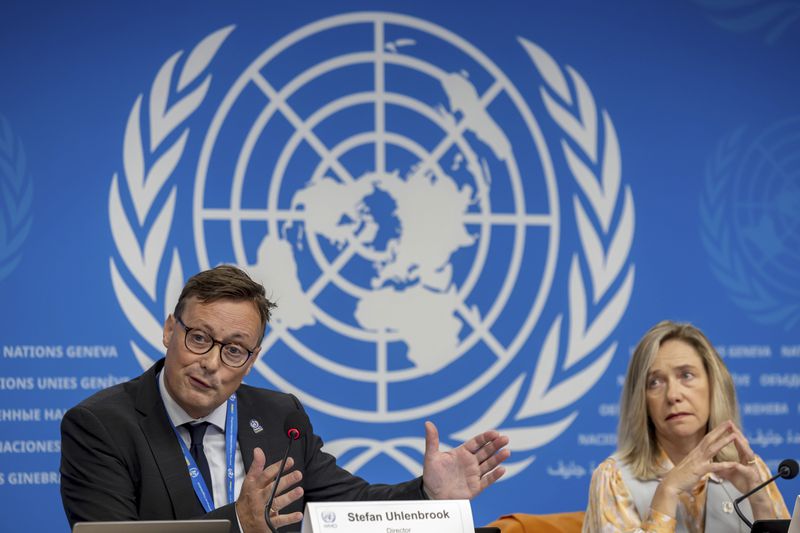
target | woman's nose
x=674, y=391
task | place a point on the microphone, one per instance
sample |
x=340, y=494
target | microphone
x=293, y=426
x=787, y=470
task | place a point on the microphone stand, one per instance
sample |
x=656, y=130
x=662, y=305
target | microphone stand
x=787, y=470
x=741, y=498
x=294, y=421
x=268, y=508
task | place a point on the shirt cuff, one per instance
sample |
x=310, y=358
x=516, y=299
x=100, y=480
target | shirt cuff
x=238, y=522
x=658, y=522
x=422, y=490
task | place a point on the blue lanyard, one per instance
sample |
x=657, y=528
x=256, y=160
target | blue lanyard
x=199, y=484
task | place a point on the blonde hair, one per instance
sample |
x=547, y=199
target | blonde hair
x=636, y=437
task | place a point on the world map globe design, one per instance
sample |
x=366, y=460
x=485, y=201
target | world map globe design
x=402, y=212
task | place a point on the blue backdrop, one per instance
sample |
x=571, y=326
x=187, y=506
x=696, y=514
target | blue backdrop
x=468, y=212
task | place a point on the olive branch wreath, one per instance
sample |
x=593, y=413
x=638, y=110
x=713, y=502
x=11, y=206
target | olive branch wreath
x=581, y=146
x=143, y=183
x=16, y=195
x=773, y=18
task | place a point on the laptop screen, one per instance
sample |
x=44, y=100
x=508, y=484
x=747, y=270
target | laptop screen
x=155, y=526
x=795, y=525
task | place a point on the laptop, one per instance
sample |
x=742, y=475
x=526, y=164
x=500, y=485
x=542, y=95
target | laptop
x=779, y=526
x=155, y=526
x=795, y=525
x=770, y=526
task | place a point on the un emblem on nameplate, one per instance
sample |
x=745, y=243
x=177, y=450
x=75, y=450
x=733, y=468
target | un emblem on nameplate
x=392, y=188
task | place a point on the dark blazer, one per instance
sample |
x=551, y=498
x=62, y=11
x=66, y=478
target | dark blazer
x=120, y=459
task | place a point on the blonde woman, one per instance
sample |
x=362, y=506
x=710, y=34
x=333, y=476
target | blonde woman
x=682, y=458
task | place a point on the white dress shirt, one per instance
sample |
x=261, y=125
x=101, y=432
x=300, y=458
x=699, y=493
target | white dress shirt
x=213, y=444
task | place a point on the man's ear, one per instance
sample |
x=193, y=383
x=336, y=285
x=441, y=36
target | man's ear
x=169, y=329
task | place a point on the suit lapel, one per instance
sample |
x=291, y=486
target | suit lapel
x=165, y=448
x=258, y=429
x=265, y=432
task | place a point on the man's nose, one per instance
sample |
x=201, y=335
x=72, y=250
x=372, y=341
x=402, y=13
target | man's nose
x=212, y=358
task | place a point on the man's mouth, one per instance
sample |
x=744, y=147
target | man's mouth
x=199, y=383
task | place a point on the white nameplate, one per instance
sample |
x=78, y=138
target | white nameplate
x=423, y=516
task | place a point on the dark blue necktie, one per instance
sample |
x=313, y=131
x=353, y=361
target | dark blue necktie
x=197, y=432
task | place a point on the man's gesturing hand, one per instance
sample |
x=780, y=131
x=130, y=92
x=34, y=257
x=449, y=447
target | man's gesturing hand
x=464, y=472
x=255, y=492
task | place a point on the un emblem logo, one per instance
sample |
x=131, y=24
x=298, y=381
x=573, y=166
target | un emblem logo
x=392, y=188
x=750, y=211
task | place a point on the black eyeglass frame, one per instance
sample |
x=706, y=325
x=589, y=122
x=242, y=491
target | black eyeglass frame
x=214, y=342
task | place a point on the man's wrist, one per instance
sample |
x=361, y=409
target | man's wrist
x=426, y=492
x=425, y=495
x=236, y=514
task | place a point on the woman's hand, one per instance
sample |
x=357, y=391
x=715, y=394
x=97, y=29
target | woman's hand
x=697, y=463
x=746, y=475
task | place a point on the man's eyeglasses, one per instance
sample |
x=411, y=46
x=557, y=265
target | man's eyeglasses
x=198, y=341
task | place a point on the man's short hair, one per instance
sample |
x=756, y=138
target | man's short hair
x=226, y=282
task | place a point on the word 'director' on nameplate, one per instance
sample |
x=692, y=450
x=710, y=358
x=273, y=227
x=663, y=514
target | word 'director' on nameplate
x=424, y=516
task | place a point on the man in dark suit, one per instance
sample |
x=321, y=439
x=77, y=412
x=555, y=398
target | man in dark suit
x=176, y=442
